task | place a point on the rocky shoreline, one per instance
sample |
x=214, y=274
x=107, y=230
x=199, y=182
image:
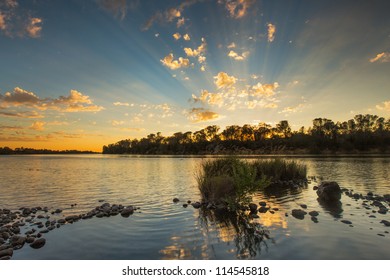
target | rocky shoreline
x=29, y=225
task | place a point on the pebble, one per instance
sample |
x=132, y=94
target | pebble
x=38, y=243
x=346, y=222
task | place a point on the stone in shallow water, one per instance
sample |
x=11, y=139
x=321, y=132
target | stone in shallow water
x=329, y=191
x=346, y=222
x=298, y=214
x=313, y=213
x=175, y=200
x=38, y=243
x=386, y=223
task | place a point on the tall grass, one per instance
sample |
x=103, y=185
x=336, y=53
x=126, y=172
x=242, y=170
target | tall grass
x=232, y=181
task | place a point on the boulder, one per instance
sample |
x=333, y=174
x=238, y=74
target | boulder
x=126, y=212
x=176, y=200
x=38, y=243
x=6, y=253
x=196, y=205
x=298, y=214
x=329, y=191
x=253, y=207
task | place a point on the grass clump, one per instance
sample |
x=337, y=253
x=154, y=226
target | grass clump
x=232, y=181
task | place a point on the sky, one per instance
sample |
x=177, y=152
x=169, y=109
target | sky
x=83, y=74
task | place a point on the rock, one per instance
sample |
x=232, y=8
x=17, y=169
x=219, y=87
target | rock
x=6, y=253
x=176, y=200
x=286, y=214
x=313, y=213
x=185, y=205
x=346, y=222
x=18, y=241
x=380, y=234
x=329, y=191
x=382, y=210
x=315, y=188
x=72, y=218
x=30, y=239
x=370, y=194
x=254, y=216
x=262, y=203
x=126, y=212
x=196, y=205
x=263, y=209
x=38, y=243
x=275, y=209
x=61, y=221
x=386, y=223
x=298, y=214
x=314, y=219
x=253, y=207
x=304, y=206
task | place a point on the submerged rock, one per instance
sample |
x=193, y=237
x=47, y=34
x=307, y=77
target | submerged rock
x=176, y=200
x=253, y=207
x=329, y=191
x=313, y=213
x=386, y=223
x=196, y=205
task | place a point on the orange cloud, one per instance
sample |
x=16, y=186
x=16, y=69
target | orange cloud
x=74, y=102
x=186, y=37
x=238, y=57
x=264, y=89
x=39, y=126
x=381, y=57
x=223, y=80
x=385, y=106
x=177, y=36
x=172, y=64
x=237, y=8
x=271, y=32
x=202, y=115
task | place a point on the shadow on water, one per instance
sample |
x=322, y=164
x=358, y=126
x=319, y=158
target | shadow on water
x=249, y=237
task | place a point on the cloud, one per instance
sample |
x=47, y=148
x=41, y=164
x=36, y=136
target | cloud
x=38, y=126
x=34, y=27
x=231, y=46
x=238, y=57
x=203, y=68
x=117, y=123
x=202, y=115
x=74, y=102
x=381, y=57
x=209, y=98
x=180, y=22
x=172, y=64
x=385, y=106
x=223, y=80
x=198, y=51
x=23, y=115
x=18, y=22
x=264, y=89
x=117, y=7
x=271, y=32
x=121, y=104
x=186, y=37
x=177, y=36
x=295, y=109
x=237, y=8
x=136, y=129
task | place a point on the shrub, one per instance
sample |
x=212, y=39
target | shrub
x=232, y=181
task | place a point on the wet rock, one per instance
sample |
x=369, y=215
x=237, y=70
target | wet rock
x=38, y=243
x=272, y=211
x=254, y=216
x=61, y=221
x=185, y=205
x=286, y=214
x=315, y=188
x=6, y=253
x=370, y=194
x=380, y=234
x=298, y=214
x=196, y=205
x=253, y=207
x=329, y=191
x=304, y=206
x=263, y=209
x=72, y=218
x=382, y=210
x=275, y=209
x=386, y=223
x=30, y=239
x=44, y=231
x=18, y=241
x=347, y=222
x=176, y=200
x=356, y=196
x=100, y=215
x=262, y=203
x=314, y=213
x=314, y=219
x=126, y=212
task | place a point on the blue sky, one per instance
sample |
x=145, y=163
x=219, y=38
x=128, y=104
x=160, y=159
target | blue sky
x=82, y=74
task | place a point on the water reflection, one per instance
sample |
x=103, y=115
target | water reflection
x=248, y=236
x=334, y=208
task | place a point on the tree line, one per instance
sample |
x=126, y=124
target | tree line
x=27, y=151
x=363, y=133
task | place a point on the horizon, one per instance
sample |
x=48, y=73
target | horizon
x=80, y=75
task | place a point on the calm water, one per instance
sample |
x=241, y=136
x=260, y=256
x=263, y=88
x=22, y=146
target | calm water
x=164, y=230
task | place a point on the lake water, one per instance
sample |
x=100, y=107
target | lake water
x=161, y=229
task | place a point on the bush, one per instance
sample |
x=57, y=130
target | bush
x=232, y=181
